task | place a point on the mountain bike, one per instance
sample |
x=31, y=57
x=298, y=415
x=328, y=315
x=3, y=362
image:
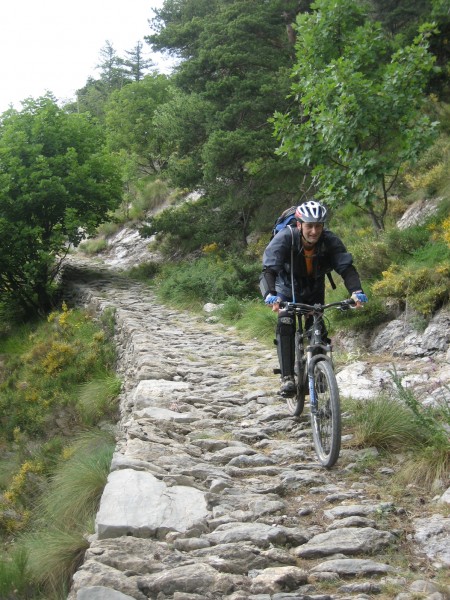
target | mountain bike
x=314, y=375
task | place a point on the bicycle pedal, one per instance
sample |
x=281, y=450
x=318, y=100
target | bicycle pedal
x=277, y=371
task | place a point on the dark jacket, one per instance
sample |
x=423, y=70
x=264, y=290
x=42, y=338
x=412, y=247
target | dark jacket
x=330, y=255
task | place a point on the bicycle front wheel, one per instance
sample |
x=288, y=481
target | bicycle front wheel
x=326, y=414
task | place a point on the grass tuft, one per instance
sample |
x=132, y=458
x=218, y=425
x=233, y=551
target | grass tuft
x=383, y=423
x=97, y=399
x=75, y=489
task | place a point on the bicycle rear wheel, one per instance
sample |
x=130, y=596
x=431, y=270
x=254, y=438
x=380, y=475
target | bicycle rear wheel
x=296, y=403
x=326, y=415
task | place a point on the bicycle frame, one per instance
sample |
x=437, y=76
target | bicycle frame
x=317, y=368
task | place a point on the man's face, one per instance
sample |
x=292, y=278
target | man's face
x=311, y=231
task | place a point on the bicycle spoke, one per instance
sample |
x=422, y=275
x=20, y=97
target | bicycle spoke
x=325, y=415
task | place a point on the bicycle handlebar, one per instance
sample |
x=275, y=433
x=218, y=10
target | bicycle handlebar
x=318, y=308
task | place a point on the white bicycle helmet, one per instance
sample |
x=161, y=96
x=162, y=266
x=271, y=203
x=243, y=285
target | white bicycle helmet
x=311, y=212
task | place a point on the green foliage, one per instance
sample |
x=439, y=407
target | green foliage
x=208, y=279
x=145, y=271
x=48, y=553
x=97, y=398
x=424, y=288
x=129, y=120
x=57, y=183
x=52, y=486
x=94, y=246
x=402, y=423
x=15, y=577
x=75, y=488
x=257, y=321
x=192, y=225
x=233, y=76
x=358, y=115
x=431, y=171
x=53, y=557
x=429, y=463
x=150, y=195
x=42, y=382
x=383, y=423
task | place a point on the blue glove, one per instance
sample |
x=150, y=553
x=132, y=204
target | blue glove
x=359, y=297
x=271, y=299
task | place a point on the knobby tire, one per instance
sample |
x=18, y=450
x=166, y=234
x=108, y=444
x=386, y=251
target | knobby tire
x=326, y=422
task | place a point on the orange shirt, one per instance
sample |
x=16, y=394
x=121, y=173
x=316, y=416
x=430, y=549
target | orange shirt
x=309, y=254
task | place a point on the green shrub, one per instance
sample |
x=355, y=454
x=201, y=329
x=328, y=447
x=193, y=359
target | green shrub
x=42, y=382
x=93, y=246
x=208, y=279
x=401, y=242
x=431, y=171
x=108, y=228
x=371, y=255
x=145, y=271
x=232, y=310
x=258, y=321
x=429, y=460
x=400, y=423
x=151, y=194
x=425, y=289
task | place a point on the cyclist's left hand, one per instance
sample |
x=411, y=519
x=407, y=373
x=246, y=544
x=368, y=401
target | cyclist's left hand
x=360, y=298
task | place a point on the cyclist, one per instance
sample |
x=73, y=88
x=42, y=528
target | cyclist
x=294, y=267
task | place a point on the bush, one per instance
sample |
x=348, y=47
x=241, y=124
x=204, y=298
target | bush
x=400, y=423
x=145, y=271
x=93, y=246
x=208, y=279
x=425, y=289
x=42, y=382
x=429, y=460
x=151, y=195
x=371, y=255
x=431, y=171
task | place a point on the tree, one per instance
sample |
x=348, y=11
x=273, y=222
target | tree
x=112, y=72
x=358, y=108
x=236, y=56
x=400, y=15
x=57, y=184
x=136, y=65
x=128, y=118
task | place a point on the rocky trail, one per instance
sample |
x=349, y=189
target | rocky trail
x=215, y=491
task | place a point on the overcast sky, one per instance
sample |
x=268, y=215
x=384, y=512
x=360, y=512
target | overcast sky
x=55, y=45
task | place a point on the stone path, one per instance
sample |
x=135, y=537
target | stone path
x=215, y=491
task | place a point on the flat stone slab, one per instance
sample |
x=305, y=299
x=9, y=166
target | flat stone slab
x=157, y=392
x=350, y=540
x=137, y=503
x=433, y=536
x=98, y=592
x=164, y=414
x=352, y=566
